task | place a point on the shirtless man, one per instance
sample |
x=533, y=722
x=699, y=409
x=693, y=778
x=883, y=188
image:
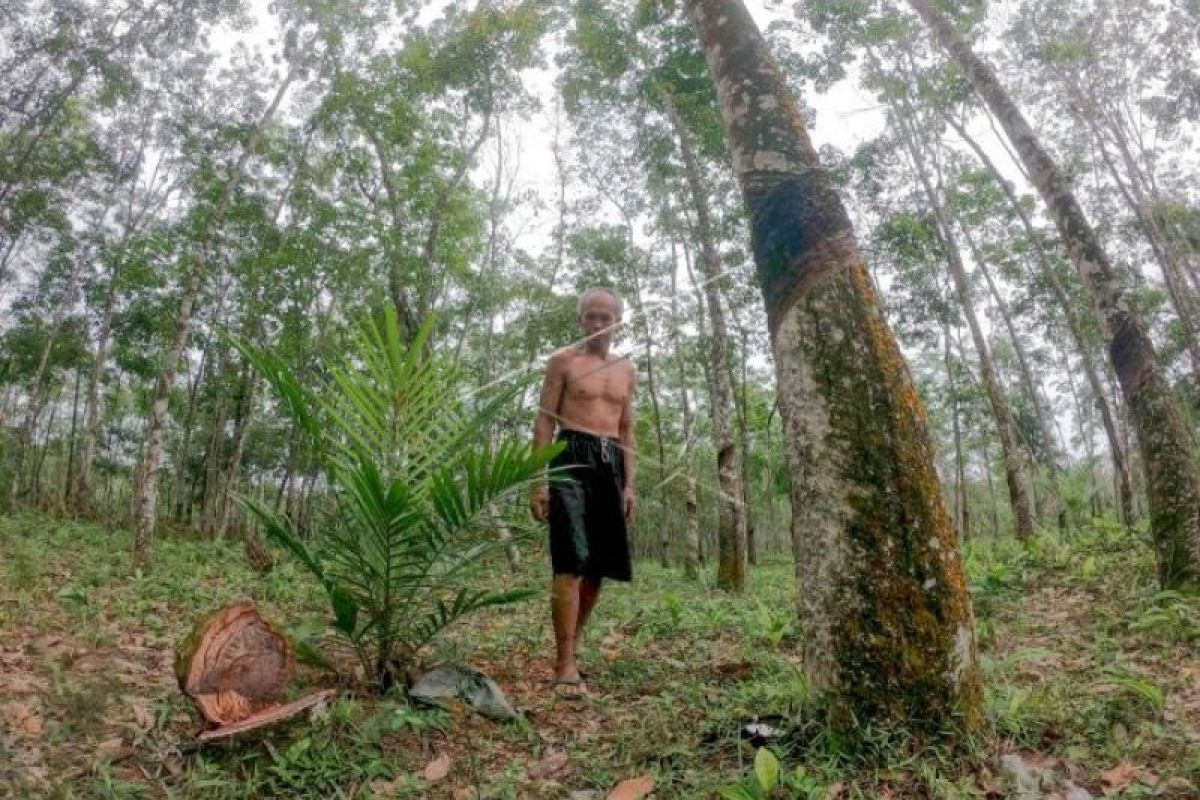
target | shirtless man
x=588, y=394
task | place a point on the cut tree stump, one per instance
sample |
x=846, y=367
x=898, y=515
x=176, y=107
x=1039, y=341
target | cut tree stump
x=234, y=665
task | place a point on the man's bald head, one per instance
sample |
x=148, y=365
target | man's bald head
x=599, y=291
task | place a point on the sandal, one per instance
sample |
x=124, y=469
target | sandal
x=571, y=689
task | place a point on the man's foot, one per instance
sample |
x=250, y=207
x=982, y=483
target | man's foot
x=571, y=688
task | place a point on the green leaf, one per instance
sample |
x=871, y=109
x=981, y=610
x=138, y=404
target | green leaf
x=308, y=655
x=766, y=769
x=345, y=610
x=738, y=792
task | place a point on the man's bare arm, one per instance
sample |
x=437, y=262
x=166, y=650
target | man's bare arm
x=627, y=431
x=549, y=405
x=550, y=401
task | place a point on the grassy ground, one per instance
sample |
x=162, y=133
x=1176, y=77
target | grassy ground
x=1093, y=681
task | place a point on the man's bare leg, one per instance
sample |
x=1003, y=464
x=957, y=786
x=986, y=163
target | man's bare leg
x=565, y=612
x=589, y=592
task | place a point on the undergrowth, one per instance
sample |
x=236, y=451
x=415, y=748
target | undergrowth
x=1087, y=665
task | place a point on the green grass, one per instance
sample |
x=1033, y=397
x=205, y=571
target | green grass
x=1086, y=662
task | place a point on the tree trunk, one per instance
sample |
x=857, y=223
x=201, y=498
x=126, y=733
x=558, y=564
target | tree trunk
x=731, y=519
x=961, y=513
x=145, y=502
x=180, y=496
x=1172, y=271
x=752, y=543
x=233, y=469
x=1016, y=470
x=81, y=500
x=691, y=535
x=1074, y=327
x=1172, y=483
x=70, y=476
x=652, y=390
x=1029, y=384
x=888, y=629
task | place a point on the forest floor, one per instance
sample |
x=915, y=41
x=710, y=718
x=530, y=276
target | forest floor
x=1093, y=686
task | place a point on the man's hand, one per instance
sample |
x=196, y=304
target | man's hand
x=539, y=504
x=629, y=503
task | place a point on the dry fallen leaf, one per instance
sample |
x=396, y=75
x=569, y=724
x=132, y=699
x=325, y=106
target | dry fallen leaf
x=438, y=768
x=551, y=764
x=632, y=789
x=109, y=748
x=1119, y=776
x=22, y=718
x=385, y=788
x=143, y=716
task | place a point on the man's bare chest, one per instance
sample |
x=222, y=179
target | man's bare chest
x=592, y=381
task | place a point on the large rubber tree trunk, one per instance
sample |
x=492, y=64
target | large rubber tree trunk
x=888, y=630
x=731, y=517
x=1172, y=482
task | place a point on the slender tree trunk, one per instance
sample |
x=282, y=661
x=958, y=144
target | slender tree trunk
x=35, y=490
x=211, y=468
x=865, y=495
x=691, y=530
x=1172, y=271
x=991, y=484
x=752, y=543
x=258, y=555
x=1075, y=327
x=731, y=521
x=961, y=514
x=1016, y=470
x=705, y=367
x=70, y=476
x=180, y=496
x=1029, y=384
x=145, y=502
x=1048, y=501
x=652, y=389
x=1172, y=482
x=241, y=424
x=691, y=533
x=81, y=501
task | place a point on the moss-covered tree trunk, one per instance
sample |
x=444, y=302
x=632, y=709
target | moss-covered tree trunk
x=1172, y=481
x=888, y=629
